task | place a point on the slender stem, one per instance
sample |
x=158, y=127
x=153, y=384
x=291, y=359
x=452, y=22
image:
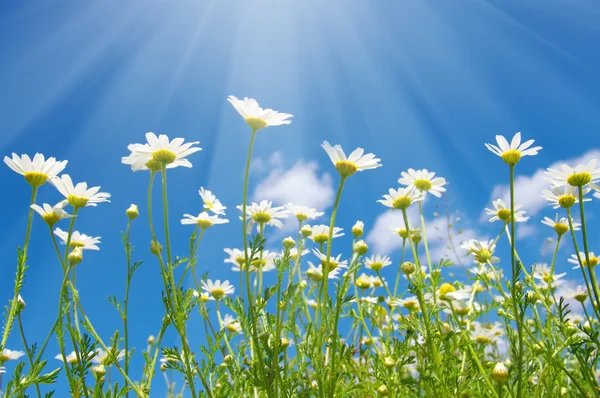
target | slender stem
x=126, y=300
x=590, y=269
x=27, y=351
x=399, y=268
x=425, y=237
x=514, y=283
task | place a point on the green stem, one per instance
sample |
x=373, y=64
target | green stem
x=126, y=300
x=27, y=351
x=591, y=270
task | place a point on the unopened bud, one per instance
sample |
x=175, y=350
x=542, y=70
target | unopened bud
x=20, y=303
x=361, y=248
x=500, y=373
x=383, y=390
x=358, y=229
x=76, y=256
x=408, y=267
x=151, y=339
x=132, y=212
x=306, y=231
x=289, y=243
x=155, y=248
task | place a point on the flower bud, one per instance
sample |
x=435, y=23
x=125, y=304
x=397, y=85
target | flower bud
x=289, y=243
x=151, y=339
x=76, y=256
x=155, y=247
x=581, y=296
x=500, y=373
x=163, y=367
x=389, y=362
x=306, y=231
x=383, y=390
x=228, y=358
x=302, y=284
x=408, y=267
x=99, y=371
x=361, y=248
x=132, y=212
x=20, y=303
x=358, y=229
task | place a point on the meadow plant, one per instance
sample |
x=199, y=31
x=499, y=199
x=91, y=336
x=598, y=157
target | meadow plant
x=331, y=325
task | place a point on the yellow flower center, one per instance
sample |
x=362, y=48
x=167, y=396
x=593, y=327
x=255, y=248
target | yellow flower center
x=444, y=289
x=547, y=278
x=258, y=263
x=567, y=200
x=35, y=178
x=376, y=266
x=217, y=293
x=363, y=283
x=561, y=228
x=581, y=297
x=314, y=275
x=205, y=298
x=301, y=217
x=483, y=256
x=77, y=201
x=511, y=157
x=411, y=305
x=403, y=233
x=76, y=243
x=346, y=168
x=579, y=179
x=593, y=261
x=284, y=343
x=402, y=202
x=320, y=238
x=51, y=218
x=504, y=214
x=153, y=165
x=377, y=282
x=204, y=223
x=422, y=185
x=232, y=328
x=415, y=236
x=483, y=339
x=463, y=311
x=164, y=156
x=261, y=217
x=331, y=265
x=256, y=123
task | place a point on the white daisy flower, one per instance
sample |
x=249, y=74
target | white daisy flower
x=543, y=272
x=71, y=358
x=78, y=239
x=303, y=213
x=320, y=233
x=217, y=289
x=315, y=274
x=401, y=198
x=78, y=195
x=410, y=303
x=402, y=232
x=264, y=213
x=231, y=324
x=205, y=297
x=424, y=181
x=203, y=220
x=51, y=214
x=236, y=257
x=10, y=355
x=580, y=293
x=564, y=196
x=101, y=357
x=36, y=171
x=347, y=166
x=482, y=251
x=364, y=281
x=580, y=175
x=486, y=271
x=560, y=226
x=211, y=202
x=512, y=153
x=257, y=117
x=334, y=262
x=501, y=212
x=368, y=300
x=377, y=262
x=575, y=260
x=484, y=334
x=160, y=151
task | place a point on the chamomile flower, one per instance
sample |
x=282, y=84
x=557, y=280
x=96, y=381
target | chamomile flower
x=303, y=213
x=51, y=214
x=320, y=233
x=78, y=240
x=564, y=196
x=315, y=274
x=501, y=212
x=36, y=171
x=231, y=324
x=377, y=262
x=264, y=261
x=401, y=198
x=294, y=253
x=158, y=152
x=71, y=358
x=102, y=358
x=10, y=355
x=368, y=300
x=482, y=251
x=579, y=176
x=574, y=260
x=580, y=293
x=202, y=220
x=512, y=153
x=257, y=117
x=487, y=334
x=357, y=161
x=424, y=181
x=78, y=195
x=560, y=226
x=402, y=232
x=236, y=257
x=364, y=282
x=264, y=213
x=333, y=262
x=410, y=303
x=217, y=289
x=205, y=297
x=544, y=273
x=211, y=202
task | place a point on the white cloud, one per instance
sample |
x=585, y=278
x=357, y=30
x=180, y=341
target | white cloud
x=528, y=188
x=302, y=184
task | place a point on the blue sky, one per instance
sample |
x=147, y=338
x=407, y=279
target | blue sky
x=419, y=83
